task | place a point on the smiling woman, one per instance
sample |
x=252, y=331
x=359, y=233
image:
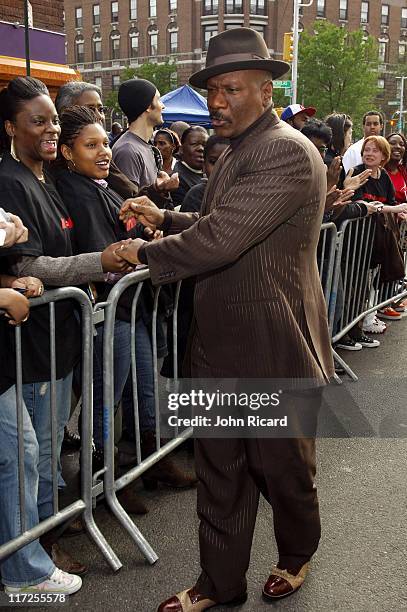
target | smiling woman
x=29, y=131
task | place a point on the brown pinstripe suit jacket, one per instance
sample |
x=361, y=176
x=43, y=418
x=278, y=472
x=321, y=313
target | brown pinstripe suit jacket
x=259, y=307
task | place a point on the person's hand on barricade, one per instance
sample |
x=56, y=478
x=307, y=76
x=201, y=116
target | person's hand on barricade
x=354, y=182
x=112, y=261
x=372, y=207
x=129, y=251
x=15, y=304
x=32, y=286
x=145, y=211
x=333, y=172
x=165, y=182
x=16, y=232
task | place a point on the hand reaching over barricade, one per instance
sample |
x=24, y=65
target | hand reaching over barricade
x=165, y=182
x=337, y=198
x=144, y=210
x=129, y=251
x=354, y=182
x=333, y=172
x=112, y=261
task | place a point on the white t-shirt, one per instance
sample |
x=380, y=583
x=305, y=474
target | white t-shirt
x=353, y=156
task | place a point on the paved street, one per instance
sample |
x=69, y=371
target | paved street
x=361, y=564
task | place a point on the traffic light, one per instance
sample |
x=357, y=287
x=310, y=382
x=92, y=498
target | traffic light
x=288, y=47
x=393, y=122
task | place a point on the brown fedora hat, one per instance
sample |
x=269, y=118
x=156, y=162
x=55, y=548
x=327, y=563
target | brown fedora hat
x=237, y=49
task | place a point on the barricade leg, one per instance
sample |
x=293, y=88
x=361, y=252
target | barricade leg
x=108, y=417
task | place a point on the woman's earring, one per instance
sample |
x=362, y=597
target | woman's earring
x=71, y=165
x=13, y=150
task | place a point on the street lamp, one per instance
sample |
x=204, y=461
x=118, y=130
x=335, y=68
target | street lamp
x=294, y=67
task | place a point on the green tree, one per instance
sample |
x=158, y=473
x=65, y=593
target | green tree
x=164, y=77
x=338, y=70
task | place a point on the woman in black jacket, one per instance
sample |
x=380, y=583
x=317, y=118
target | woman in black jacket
x=94, y=208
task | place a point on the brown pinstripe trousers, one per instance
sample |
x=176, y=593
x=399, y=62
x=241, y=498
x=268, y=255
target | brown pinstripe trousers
x=232, y=473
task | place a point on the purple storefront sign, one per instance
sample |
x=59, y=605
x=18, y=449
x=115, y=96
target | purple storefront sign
x=44, y=46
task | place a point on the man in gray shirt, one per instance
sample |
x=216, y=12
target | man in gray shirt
x=140, y=102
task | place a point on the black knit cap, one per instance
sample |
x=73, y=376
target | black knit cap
x=135, y=96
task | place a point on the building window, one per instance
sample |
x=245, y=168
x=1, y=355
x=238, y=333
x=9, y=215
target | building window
x=115, y=82
x=257, y=7
x=343, y=10
x=98, y=82
x=385, y=14
x=97, y=48
x=133, y=43
x=380, y=83
x=233, y=6
x=173, y=6
x=153, y=44
x=320, y=8
x=153, y=8
x=404, y=17
x=78, y=17
x=79, y=50
x=115, y=45
x=402, y=51
x=259, y=28
x=133, y=9
x=208, y=32
x=382, y=51
x=96, y=14
x=210, y=7
x=114, y=11
x=364, y=12
x=173, y=41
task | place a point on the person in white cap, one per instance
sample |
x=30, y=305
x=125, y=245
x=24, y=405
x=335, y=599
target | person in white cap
x=297, y=115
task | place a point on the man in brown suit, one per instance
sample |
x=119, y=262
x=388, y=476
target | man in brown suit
x=259, y=313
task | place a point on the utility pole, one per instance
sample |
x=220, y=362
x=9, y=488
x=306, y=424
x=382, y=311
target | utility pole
x=400, y=121
x=27, y=19
x=294, y=67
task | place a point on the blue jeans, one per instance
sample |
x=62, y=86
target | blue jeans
x=30, y=564
x=121, y=365
x=145, y=384
x=37, y=399
x=122, y=378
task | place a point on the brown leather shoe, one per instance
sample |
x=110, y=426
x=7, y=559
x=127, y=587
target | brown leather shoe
x=192, y=601
x=64, y=561
x=281, y=583
x=131, y=502
x=76, y=527
x=165, y=471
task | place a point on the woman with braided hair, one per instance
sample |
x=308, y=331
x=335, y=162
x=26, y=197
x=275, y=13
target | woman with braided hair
x=29, y=135
x=94, y=208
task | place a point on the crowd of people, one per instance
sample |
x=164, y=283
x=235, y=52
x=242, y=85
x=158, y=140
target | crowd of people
x=75, y=201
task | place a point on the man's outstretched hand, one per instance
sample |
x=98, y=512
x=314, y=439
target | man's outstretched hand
x=129, y=251
x=144, y=210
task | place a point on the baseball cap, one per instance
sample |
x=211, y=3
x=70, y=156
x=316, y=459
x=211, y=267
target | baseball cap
x=294, y=109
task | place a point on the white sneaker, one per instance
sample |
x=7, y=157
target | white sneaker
x=376, y=327
x=58, y=582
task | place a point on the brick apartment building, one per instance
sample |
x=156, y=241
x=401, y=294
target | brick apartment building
x=47, y=42
x=105, y=36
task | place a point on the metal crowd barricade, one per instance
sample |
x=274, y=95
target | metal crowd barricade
x=110, y=486
x=353, y=280
x=84, y=504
